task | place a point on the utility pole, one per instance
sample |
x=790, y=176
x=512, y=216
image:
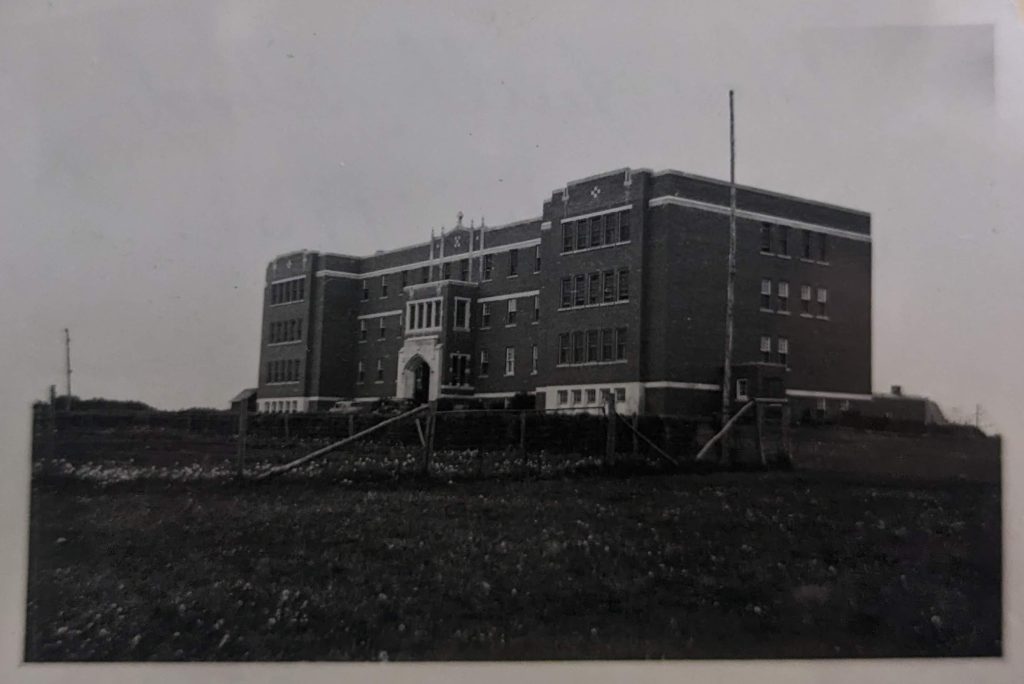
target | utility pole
x=67, y=367
x=731, y=282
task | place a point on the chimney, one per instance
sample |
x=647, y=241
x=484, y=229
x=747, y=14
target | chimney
x=897, y=390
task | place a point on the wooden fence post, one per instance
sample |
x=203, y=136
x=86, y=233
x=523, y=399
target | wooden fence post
x=759, y=432
x=243, y=431
x=428, y=450
x=522, y=439
x=610, y=420
x=787, y=435
x=636, y=436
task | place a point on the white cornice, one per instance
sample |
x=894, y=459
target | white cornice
x=671, y=200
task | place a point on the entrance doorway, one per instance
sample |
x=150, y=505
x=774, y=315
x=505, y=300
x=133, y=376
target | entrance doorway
x=417, y=379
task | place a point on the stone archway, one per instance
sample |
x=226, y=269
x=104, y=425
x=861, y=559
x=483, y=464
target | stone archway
x=416, y=380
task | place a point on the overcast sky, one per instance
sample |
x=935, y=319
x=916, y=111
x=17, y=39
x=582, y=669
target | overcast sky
x=154, y=156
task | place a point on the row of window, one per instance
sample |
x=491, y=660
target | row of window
x=460, y=366
x=288, y=291
x=776, y=240
x=781, y=350
x=283, y=370
x=595, y=231
x=286, y=331
x=590, y=397
x=282, y=406
x=592, y=346
x=599, y=287
x=511, y=312
x=808, y=307
x=444, y=272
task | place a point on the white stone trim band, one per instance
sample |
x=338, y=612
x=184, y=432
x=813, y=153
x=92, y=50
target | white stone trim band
x=671, y=200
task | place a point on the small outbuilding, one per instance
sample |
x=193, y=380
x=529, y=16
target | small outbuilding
x=246, y=396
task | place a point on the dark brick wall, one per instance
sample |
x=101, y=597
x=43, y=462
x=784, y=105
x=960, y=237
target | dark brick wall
x=675, y=314
x=762, y=201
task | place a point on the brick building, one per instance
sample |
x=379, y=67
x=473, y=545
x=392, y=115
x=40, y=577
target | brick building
x=619, y=285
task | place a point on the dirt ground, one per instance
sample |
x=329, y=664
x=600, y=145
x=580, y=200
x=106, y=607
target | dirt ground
x=875, y=546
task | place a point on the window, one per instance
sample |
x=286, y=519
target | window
x=620, y=394
x=536, y=259
x=360, y=372
x=782, y=233
x=513, y=262
x=577, y=346
x=512, y=311
x=577, y=396
x=533, y=359
x=766, y=293
x=594, y=288
x=485, y=363
x=591, y=396
x=485, y=315
x=464, y=270
x=579, y=288
x=383, y=287
x=822, y=301
x=405, y=278
x=821, y=406
x=607, y=344
x=766, y=238
x=383, y=329
x=566, y=293
x=623, y=284
x=620, y=344
x=510, y=360
x=536, y=308
x=424, y=314
x=822, y=247
x=783, y=295
x=425, y=274
x=596, y=231
x=563, y=349
x=766, y=348
x=488, y=266
x=805, y=299
x=563, y=397
x=380, y=370
x=446, y=270
x=362, y=329
x=844, y=405
x=806, y=251
x=741, y=390
x=461, y=313
x=366, y=291
x=460, y=369
x=609, y=286
x=783, y=350
x=581, y=235
x=624, y=226
x=568, y=237
x=611, y=228
x=592, y=345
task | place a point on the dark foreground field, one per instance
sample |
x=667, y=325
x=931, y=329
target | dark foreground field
x=820, y=562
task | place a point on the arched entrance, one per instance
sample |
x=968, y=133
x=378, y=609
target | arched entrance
x=416, y=380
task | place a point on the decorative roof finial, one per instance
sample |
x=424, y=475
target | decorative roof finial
x=459, y=224
x=483, y=224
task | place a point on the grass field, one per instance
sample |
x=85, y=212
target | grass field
x=876, y=545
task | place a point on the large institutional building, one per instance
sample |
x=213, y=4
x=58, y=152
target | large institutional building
x=619, y=286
